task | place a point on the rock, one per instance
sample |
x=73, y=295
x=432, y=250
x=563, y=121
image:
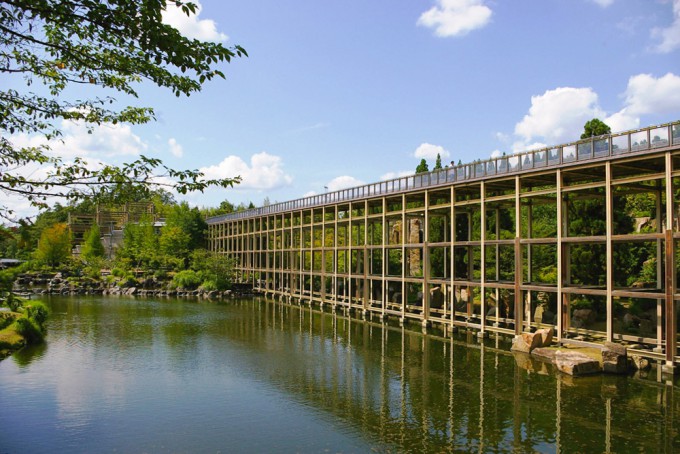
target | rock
x=614, y=358
x=526, y=342
x=639, y=362
x=548, y=317
x=577, y=323
x=538, y=314
x=588, y=316
x=576, y=364
x=546, y=335
x=545, y=353
x=529, y=364
x=131, y=291
x=630, y=321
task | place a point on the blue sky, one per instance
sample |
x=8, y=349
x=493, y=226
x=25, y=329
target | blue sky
x=336, y=94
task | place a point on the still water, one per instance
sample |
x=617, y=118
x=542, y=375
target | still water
x=143, y=375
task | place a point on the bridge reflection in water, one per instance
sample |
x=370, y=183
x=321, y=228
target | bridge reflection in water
x=428, y=393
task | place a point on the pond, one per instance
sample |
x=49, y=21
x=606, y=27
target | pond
x=252, y=375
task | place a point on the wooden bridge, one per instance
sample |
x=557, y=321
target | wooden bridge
x=582, y=237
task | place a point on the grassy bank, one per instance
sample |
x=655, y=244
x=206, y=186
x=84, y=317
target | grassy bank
x=22, y=326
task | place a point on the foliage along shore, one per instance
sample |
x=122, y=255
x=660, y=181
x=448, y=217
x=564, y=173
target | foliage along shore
x=59, y=283
x=21, y=323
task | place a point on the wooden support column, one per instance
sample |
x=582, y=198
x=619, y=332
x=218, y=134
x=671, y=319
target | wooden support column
x=609, y=263
x=670, y=316
x=660, y=278
x=452, y=297
x=426, y=261
x=385, y=259
x=366, y=290
x=519, y=309
x=404, y=231
x=670, y=281
x=482, y=236
x=528, y=314
x=323, y=255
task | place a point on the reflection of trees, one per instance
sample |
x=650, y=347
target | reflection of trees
x=421, y=392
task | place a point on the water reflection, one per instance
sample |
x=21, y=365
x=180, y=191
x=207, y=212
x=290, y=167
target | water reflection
x=27, y=355
x=434, y=394
x=257, y=375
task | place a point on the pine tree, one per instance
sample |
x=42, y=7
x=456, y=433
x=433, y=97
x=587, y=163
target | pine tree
x=422, y=167
x=93, y=247
x=438, y=163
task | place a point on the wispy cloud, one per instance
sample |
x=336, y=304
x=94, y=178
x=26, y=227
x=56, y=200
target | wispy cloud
x=669, y=36
x=455, y=17
x=191, y=26
x=319, y=125
x=265, y=171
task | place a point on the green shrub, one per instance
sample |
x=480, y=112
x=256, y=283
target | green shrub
x=128, y=280
x=28, y=330
x=208, y=286
x=13, y=302
x=187, y=279
x=6, y=319
x=38, y=313
x=118, y=272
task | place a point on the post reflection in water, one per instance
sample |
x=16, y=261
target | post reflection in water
x=257, y=375
x=432, y=393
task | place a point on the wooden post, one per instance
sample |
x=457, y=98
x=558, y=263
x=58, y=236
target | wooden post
x=519, y=309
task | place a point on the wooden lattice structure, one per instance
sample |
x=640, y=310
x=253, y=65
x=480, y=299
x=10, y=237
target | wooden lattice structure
x=582, y=237
x=109, y=218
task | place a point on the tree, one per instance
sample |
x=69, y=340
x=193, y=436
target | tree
x=594, y=128
x=92, y=247
x=174, y=242
x=190, y=221
x=54, y=246
x=140, y=244
x=110, y=46
x=438, y=163
x=422, y=167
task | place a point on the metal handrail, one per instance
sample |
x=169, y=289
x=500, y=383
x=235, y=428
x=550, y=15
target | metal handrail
x=594, y=148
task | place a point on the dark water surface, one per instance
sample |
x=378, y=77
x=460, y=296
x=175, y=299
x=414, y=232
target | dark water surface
x=142, y=375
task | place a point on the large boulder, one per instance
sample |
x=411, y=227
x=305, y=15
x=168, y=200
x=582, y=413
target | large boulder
x=639, y=362
x=526, y=342
x=546, y=336
x=545, y=354
x=614, y=358
x=576, y=364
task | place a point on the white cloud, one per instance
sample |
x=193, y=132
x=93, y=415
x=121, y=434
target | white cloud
x=191, y=26
x=669, y=36
x=264, y=172
x=393, y=175
x=646, y=94
x=496, y=154
x=429, y=151
x=559, y=115
x=521, y=146
x=105, y=141
x=604, y=3
x=175, y=148
x=310, y=193
x=455, y=17
x=343, y=182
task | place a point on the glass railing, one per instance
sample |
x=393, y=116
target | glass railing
x=635, y=141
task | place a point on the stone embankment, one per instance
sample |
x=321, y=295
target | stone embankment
x=610, y=358
x=56, y=284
